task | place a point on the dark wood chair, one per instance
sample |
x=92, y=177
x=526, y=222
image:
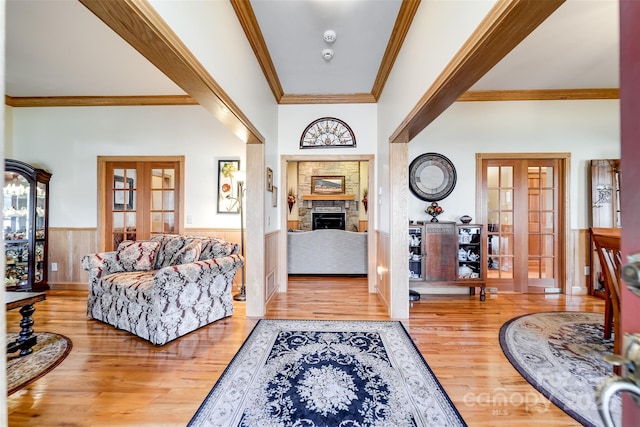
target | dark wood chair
x=607, y=246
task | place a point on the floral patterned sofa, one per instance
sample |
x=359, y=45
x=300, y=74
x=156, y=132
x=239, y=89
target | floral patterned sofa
x=163, y=288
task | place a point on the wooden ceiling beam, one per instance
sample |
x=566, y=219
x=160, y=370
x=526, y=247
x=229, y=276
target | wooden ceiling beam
x=505, y=26
x=137, y=22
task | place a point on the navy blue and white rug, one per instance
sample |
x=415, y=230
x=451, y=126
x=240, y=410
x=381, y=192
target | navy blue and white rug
x=561, y=355
x=327, y=373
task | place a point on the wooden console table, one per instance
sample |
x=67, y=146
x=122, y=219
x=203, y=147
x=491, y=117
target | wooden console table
x=23, y=300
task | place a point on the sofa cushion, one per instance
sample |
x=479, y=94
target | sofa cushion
x=188, y=253
x=133, y=285
x=213, y=247
x=136, y=256
x=170, y=245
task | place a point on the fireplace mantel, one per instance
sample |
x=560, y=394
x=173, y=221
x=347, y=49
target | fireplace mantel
x=328, y=197
x=345, y=197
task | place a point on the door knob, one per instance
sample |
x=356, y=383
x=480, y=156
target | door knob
x=629, y=382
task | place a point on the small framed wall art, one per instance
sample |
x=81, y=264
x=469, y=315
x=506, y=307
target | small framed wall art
x=228, y=201
x=269, y=179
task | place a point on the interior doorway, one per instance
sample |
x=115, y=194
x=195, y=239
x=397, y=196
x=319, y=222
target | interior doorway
x=354, y=223
x=522, y=203
x=139, y=197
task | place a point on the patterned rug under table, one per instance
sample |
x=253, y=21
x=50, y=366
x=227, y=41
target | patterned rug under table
x=327, y=373
x=561, y=355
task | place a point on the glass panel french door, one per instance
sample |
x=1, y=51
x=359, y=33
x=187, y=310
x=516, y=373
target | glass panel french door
x=542, y=178
x=141, y=200
x=522, y=211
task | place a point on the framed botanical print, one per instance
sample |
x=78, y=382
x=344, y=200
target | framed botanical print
x=228, y=197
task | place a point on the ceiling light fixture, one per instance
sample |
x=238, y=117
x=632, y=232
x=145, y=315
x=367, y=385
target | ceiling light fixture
x=329, y=36
x=327, y=54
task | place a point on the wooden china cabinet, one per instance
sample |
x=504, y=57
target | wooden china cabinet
x=605, y=211
x=25, y=226
x=447, y=254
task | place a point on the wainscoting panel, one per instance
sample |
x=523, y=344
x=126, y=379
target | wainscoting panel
x=382, y=267
x=579, y=259
x=271, y=263
x=67, y=246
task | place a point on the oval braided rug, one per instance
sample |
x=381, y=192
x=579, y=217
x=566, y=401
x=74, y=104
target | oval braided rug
x=560, y=354
x=49, y=351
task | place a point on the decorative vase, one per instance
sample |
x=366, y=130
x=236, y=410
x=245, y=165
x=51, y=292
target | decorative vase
x=434, y=210
x=465, y=219
x=291, y=206
x=365, y=203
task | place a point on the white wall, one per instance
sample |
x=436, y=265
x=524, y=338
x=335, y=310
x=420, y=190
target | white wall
x=586, y=129
x=424, y=54
x=293, y=120
x=211, y=31
x=67, y=141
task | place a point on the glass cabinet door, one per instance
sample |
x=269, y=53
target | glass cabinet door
x=24, y=225
x=415, y=252
x=40, y=231
x=16, y=226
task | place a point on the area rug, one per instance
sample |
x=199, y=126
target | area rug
x=327, y=373
x=560, y=354
x=49, y=351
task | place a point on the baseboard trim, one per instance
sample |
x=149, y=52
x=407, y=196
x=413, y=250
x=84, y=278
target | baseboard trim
x=69, y=286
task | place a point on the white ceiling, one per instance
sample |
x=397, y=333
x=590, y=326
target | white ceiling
x=59, y=48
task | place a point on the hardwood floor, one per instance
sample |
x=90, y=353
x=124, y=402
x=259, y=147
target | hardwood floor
x=114, y=378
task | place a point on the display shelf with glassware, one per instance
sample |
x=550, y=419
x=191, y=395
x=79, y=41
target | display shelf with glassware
x=446, y=254
x=415, y=251
x=25, y=226
x=470, y=255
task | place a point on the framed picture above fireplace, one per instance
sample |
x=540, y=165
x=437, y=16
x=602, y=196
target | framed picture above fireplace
x=327, y=184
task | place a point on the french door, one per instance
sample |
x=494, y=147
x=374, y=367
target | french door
x=523, y=207
x=142, y=198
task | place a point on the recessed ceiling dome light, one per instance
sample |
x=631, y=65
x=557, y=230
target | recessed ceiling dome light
x=327, y=54
x=329, y=36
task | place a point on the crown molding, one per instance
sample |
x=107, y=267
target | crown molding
x=408, y=10
x=97, y=101
x=348, y=98
x=356, y=98
x=250, y=26
x=539, y=95
x=251, y=29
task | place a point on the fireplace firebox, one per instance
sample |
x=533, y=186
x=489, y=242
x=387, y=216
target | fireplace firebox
x=328, y=220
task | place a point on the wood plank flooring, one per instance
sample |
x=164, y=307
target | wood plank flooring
x=112, y=378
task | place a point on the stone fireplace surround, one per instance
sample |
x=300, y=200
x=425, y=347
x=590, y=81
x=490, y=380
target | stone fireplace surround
x=351, y=172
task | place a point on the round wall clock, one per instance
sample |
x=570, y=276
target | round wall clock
x=327, y=132
x=432, y=177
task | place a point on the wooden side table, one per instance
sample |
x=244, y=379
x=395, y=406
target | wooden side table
x=23, y=300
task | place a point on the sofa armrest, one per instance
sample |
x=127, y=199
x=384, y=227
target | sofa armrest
x=169, y=281
x=100, y=264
